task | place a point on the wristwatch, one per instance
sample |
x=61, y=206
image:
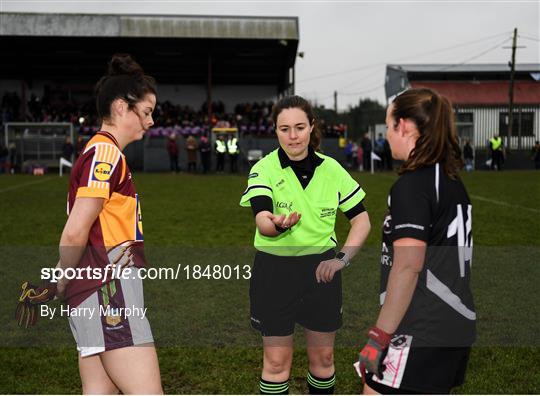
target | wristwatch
x=341, y=256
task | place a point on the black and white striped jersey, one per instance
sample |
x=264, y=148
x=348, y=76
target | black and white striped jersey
x=426, y=204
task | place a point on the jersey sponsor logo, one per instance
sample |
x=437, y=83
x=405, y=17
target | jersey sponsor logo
x=280, y=183
x=327, y=212
x=284, y=205
x=409, y=225
x=112, y=320
x=102, y=171
x=253, y=175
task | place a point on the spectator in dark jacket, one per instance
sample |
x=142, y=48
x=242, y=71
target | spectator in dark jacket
x=468, y=155
x=3, y=158
x=388, y=156
x=379, y=150
x=366, y=147
x=536, y=155
x=206, y=151
x=192, y=146
x=172, y=149
x=67, y=150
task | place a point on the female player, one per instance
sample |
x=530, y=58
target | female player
x=116, y=350
x=422, y=338
x=294, y=193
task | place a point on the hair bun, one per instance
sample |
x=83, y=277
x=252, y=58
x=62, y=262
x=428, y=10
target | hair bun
x=123, y=64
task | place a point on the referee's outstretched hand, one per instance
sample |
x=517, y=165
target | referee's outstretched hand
x=326, y=270
x=283, y=221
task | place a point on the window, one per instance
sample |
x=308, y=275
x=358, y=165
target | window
x=465, y=126
x=522, y=121
x=464, y=118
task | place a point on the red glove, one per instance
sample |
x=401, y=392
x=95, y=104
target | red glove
x=29, y=301
x=373, y=354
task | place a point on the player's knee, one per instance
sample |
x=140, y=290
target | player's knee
x=277, y=365
x=323, y=359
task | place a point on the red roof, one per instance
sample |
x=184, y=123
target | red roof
x=484, y=92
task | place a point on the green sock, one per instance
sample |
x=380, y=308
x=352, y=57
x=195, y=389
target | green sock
x=321, y=386
x=273, y=388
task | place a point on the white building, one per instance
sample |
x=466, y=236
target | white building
x=480, y=95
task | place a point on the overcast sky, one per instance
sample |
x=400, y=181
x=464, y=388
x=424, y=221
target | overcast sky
x=348, y=43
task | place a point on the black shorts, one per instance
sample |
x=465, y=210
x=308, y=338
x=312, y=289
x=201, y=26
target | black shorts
x=430, y=370
x=284, y=291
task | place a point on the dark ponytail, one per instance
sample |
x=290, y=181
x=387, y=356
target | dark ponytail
x=434, y=117
x=297, y=102
x=125, y=79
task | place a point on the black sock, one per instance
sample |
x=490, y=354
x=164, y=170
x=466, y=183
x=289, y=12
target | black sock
x=273, y=388
x=321, y=386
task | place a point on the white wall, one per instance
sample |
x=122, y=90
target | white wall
x=486, y=124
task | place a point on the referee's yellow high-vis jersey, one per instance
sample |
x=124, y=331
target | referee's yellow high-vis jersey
x=331, y=187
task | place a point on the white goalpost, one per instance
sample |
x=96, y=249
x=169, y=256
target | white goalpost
x=63, y=162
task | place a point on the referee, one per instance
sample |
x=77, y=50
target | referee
x=427, y=320
x=294, y=193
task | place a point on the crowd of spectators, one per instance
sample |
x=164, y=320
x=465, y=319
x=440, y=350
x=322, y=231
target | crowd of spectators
x=11, y=105
x=45, y=109
x=252, y=118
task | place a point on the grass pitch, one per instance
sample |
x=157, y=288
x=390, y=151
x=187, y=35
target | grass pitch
x=201, y=327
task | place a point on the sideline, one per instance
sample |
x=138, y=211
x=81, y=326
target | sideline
x=25, y=184
x=502, y=203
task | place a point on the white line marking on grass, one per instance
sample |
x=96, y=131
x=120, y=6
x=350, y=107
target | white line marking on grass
x=502, y=203
x=25, y=184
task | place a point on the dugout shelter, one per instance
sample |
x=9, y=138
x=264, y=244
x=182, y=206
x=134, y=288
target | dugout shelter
x=239, y=57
